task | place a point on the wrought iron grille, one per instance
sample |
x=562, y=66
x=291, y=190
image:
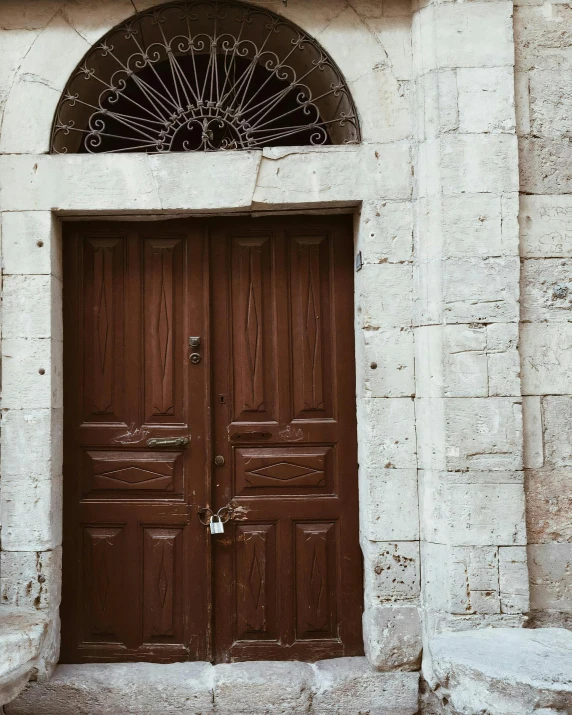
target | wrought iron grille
x=204, y=75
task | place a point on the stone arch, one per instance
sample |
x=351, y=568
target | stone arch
x=204, y=75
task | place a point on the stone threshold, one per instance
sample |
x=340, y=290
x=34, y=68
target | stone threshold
x=341, y=685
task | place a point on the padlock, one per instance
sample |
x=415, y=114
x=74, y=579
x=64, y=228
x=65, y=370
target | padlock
x=216, y=525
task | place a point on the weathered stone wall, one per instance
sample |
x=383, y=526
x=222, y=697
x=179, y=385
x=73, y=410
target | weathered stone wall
x=543, y=41
x=466, y=273
x=440, y=369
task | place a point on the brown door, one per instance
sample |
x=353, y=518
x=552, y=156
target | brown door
x=256, y=418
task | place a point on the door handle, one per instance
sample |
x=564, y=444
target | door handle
x=251, y=435
x=168, y=442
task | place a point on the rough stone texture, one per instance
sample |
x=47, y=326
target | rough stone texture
x=31, y=580
x=546, y=358
x=385, y=232
x=513, y=579
x=389, y=442
x=389, y=504
x=279, y=687
x=32, y=243
x=466, y=290
x=545, y=226
x=472, y=507
x=377, y=308
x=473, y=360
x=486, y=99
x=341, y=685
x=122, y=688
x=503, y=671
x=476, y=582
x=22, y=632
x=391, y=571
x=550, y=568
x=395, y=642
x=386, y=363
x=470, y=433
x=556, y=415
x=544, y=56
x=344, y=685
x=543, y=43
x=549, y=505
x=546, y=284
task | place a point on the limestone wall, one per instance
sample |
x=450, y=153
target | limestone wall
x=468, y=403
x=543, y=43
x=434, y=187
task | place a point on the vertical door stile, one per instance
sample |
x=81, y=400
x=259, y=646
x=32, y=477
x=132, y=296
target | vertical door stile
x=131, y=375
x=224, y=594
x=208, y=417
x=286, y=568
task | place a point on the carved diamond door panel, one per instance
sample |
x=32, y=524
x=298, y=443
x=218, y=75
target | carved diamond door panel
x=288, y=581
x=186, y=341
x=132, y=542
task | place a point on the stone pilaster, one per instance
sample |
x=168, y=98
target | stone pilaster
x=31, y=461
x=466, y=312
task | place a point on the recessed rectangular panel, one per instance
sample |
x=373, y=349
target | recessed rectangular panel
x=103, y=328
x=284, y=470
x=315, y=580
x=253, y=327
x=147, y=472
x=102, y=582
x=255, y=581
x=162, y=312
x=162, y=584
x=311, y=326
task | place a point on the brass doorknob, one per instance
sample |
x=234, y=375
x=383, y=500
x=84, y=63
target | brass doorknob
x=219, y=460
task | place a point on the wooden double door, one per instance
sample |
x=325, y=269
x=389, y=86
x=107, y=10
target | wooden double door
x=209, y=364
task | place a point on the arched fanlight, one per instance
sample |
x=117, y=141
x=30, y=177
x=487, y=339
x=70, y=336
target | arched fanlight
x=204, y=75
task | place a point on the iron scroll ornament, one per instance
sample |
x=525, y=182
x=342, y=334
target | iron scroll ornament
x=204, y=75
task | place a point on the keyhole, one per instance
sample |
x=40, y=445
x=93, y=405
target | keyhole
x=222, y=399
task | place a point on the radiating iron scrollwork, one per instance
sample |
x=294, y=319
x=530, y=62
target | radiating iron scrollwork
x=204, y=75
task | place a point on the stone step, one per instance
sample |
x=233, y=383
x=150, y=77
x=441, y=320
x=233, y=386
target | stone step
x=22, y=632
x=502, y=671
x=341, y=685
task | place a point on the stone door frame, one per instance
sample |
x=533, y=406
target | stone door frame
x=145, y=187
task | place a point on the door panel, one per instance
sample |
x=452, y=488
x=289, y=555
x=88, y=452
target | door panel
x=163, y=322
x=311, y=328
x=270, y=389
x=162, y=576
x=134, y=293
x=256, y=581
x=283, y=470
x=285, y=424
x=315, y=580
x=120, y=474
x=252, y=348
